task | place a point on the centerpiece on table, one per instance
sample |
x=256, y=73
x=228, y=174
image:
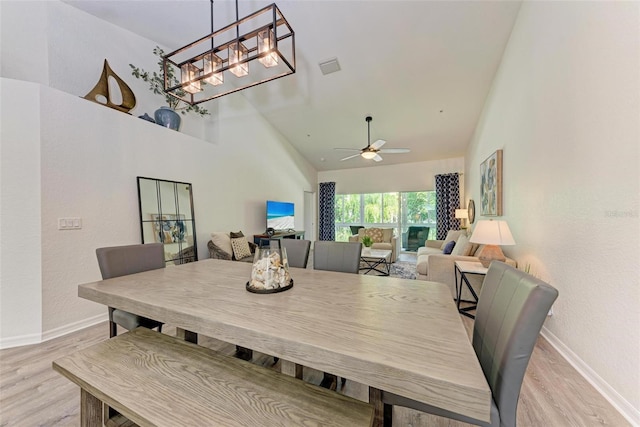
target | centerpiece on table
x=270, y=271
x=166, y=116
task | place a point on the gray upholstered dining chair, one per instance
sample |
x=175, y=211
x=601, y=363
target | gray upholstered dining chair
x=119, y=261
x=297, y=251
x=336, y=256
x=512, y=308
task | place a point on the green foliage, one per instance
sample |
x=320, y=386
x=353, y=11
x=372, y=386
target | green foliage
x=156, y=85
x=398, y=210
x=366, y=240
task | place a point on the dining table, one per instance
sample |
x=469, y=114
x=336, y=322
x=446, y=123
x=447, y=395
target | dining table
x=397, y=335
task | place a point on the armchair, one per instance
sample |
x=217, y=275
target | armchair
x=383, y=238
x=414, y=237
x=220, y=247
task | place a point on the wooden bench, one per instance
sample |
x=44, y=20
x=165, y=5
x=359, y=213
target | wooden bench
x=153, y=379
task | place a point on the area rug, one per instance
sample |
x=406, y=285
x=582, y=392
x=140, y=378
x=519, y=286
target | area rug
x=403, y=270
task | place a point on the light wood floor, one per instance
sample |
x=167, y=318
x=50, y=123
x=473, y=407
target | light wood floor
x=32, y=394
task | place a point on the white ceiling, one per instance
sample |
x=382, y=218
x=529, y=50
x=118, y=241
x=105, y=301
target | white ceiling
x=422, y=69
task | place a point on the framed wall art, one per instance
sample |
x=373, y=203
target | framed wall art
x=491, y=185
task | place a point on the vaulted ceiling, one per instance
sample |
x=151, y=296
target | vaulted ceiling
x=422, y=69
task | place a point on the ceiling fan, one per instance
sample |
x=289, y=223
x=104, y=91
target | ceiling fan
x=370, y=152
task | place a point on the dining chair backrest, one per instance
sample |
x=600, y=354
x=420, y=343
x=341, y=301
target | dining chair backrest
x=297, y=251
x=512, y=308
x=337, y=256
x=116, y=261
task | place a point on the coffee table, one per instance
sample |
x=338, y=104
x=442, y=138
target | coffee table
x=378, y=260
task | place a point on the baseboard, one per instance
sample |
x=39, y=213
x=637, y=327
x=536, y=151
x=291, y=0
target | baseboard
x=73, y=327
x=20, y=341
x=619, y=403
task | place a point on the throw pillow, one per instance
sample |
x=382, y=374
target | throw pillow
x=461, y=246
x=233, y=235
x=216, y=252
x=223, y=241
x=452, y=235
x=387, y=234
x=240, y=247
x=374, y=233
x=448, y=247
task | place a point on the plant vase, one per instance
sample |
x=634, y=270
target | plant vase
x=167, y=117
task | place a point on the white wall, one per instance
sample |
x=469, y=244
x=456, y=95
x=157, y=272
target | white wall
x=418, y=176
x=20, y=231
x=565, y=108
x=63, y=156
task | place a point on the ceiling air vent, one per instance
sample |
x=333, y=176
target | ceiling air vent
x=329, y=66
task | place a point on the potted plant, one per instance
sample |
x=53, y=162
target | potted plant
x=156, y=85
x=366, y=240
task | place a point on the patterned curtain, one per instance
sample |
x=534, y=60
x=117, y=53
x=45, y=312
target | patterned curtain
x=326, y=206
x=447, y=201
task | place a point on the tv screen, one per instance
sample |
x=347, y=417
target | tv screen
x=280, y=215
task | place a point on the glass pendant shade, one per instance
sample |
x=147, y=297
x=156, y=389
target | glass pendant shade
x=212, y=62
x=368, y=155
x=266, y=45
x=238, y=52
x=189, y=73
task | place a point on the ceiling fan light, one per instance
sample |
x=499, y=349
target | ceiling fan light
x=368, y=155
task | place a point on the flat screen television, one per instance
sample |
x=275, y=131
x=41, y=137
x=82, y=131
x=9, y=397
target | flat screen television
x=280, y=215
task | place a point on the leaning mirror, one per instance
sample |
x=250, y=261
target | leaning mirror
x=166, y=216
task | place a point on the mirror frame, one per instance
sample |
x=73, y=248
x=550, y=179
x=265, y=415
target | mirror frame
x=188, y=253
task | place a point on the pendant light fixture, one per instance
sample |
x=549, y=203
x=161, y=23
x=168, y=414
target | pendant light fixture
x=264, y=35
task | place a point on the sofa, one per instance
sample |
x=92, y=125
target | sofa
x=435, y=266
x=231, y=246
x=383, y=238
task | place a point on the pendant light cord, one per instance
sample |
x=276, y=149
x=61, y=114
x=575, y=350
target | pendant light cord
x=212, y=46
x=237, y=25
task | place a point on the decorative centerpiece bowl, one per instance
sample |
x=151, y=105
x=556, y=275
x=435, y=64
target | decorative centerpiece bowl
x=270, y=272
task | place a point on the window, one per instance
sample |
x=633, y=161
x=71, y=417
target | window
x=396, y=210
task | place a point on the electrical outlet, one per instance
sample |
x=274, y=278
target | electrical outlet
x=69, y=223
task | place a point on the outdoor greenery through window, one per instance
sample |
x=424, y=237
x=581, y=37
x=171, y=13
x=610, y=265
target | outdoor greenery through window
x=411, y=214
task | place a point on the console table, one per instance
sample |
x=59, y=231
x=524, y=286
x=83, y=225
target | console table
x=259, y=238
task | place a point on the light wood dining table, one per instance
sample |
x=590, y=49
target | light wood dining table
x=402, y=336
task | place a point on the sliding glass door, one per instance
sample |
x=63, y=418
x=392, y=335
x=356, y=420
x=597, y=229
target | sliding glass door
x=411, y=214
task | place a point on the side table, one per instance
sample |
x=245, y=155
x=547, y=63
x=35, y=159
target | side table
x=462, y=268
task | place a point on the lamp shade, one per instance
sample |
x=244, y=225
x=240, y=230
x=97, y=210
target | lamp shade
x=489, y=232
x=462, y=214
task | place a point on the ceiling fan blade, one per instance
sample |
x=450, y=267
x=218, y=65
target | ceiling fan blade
x=377, y=158
x=347, y=149
x=350, y=157
x=394, y=150
x=379, y=143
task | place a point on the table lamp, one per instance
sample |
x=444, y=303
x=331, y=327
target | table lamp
x=492, y=234
x=462, y=214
